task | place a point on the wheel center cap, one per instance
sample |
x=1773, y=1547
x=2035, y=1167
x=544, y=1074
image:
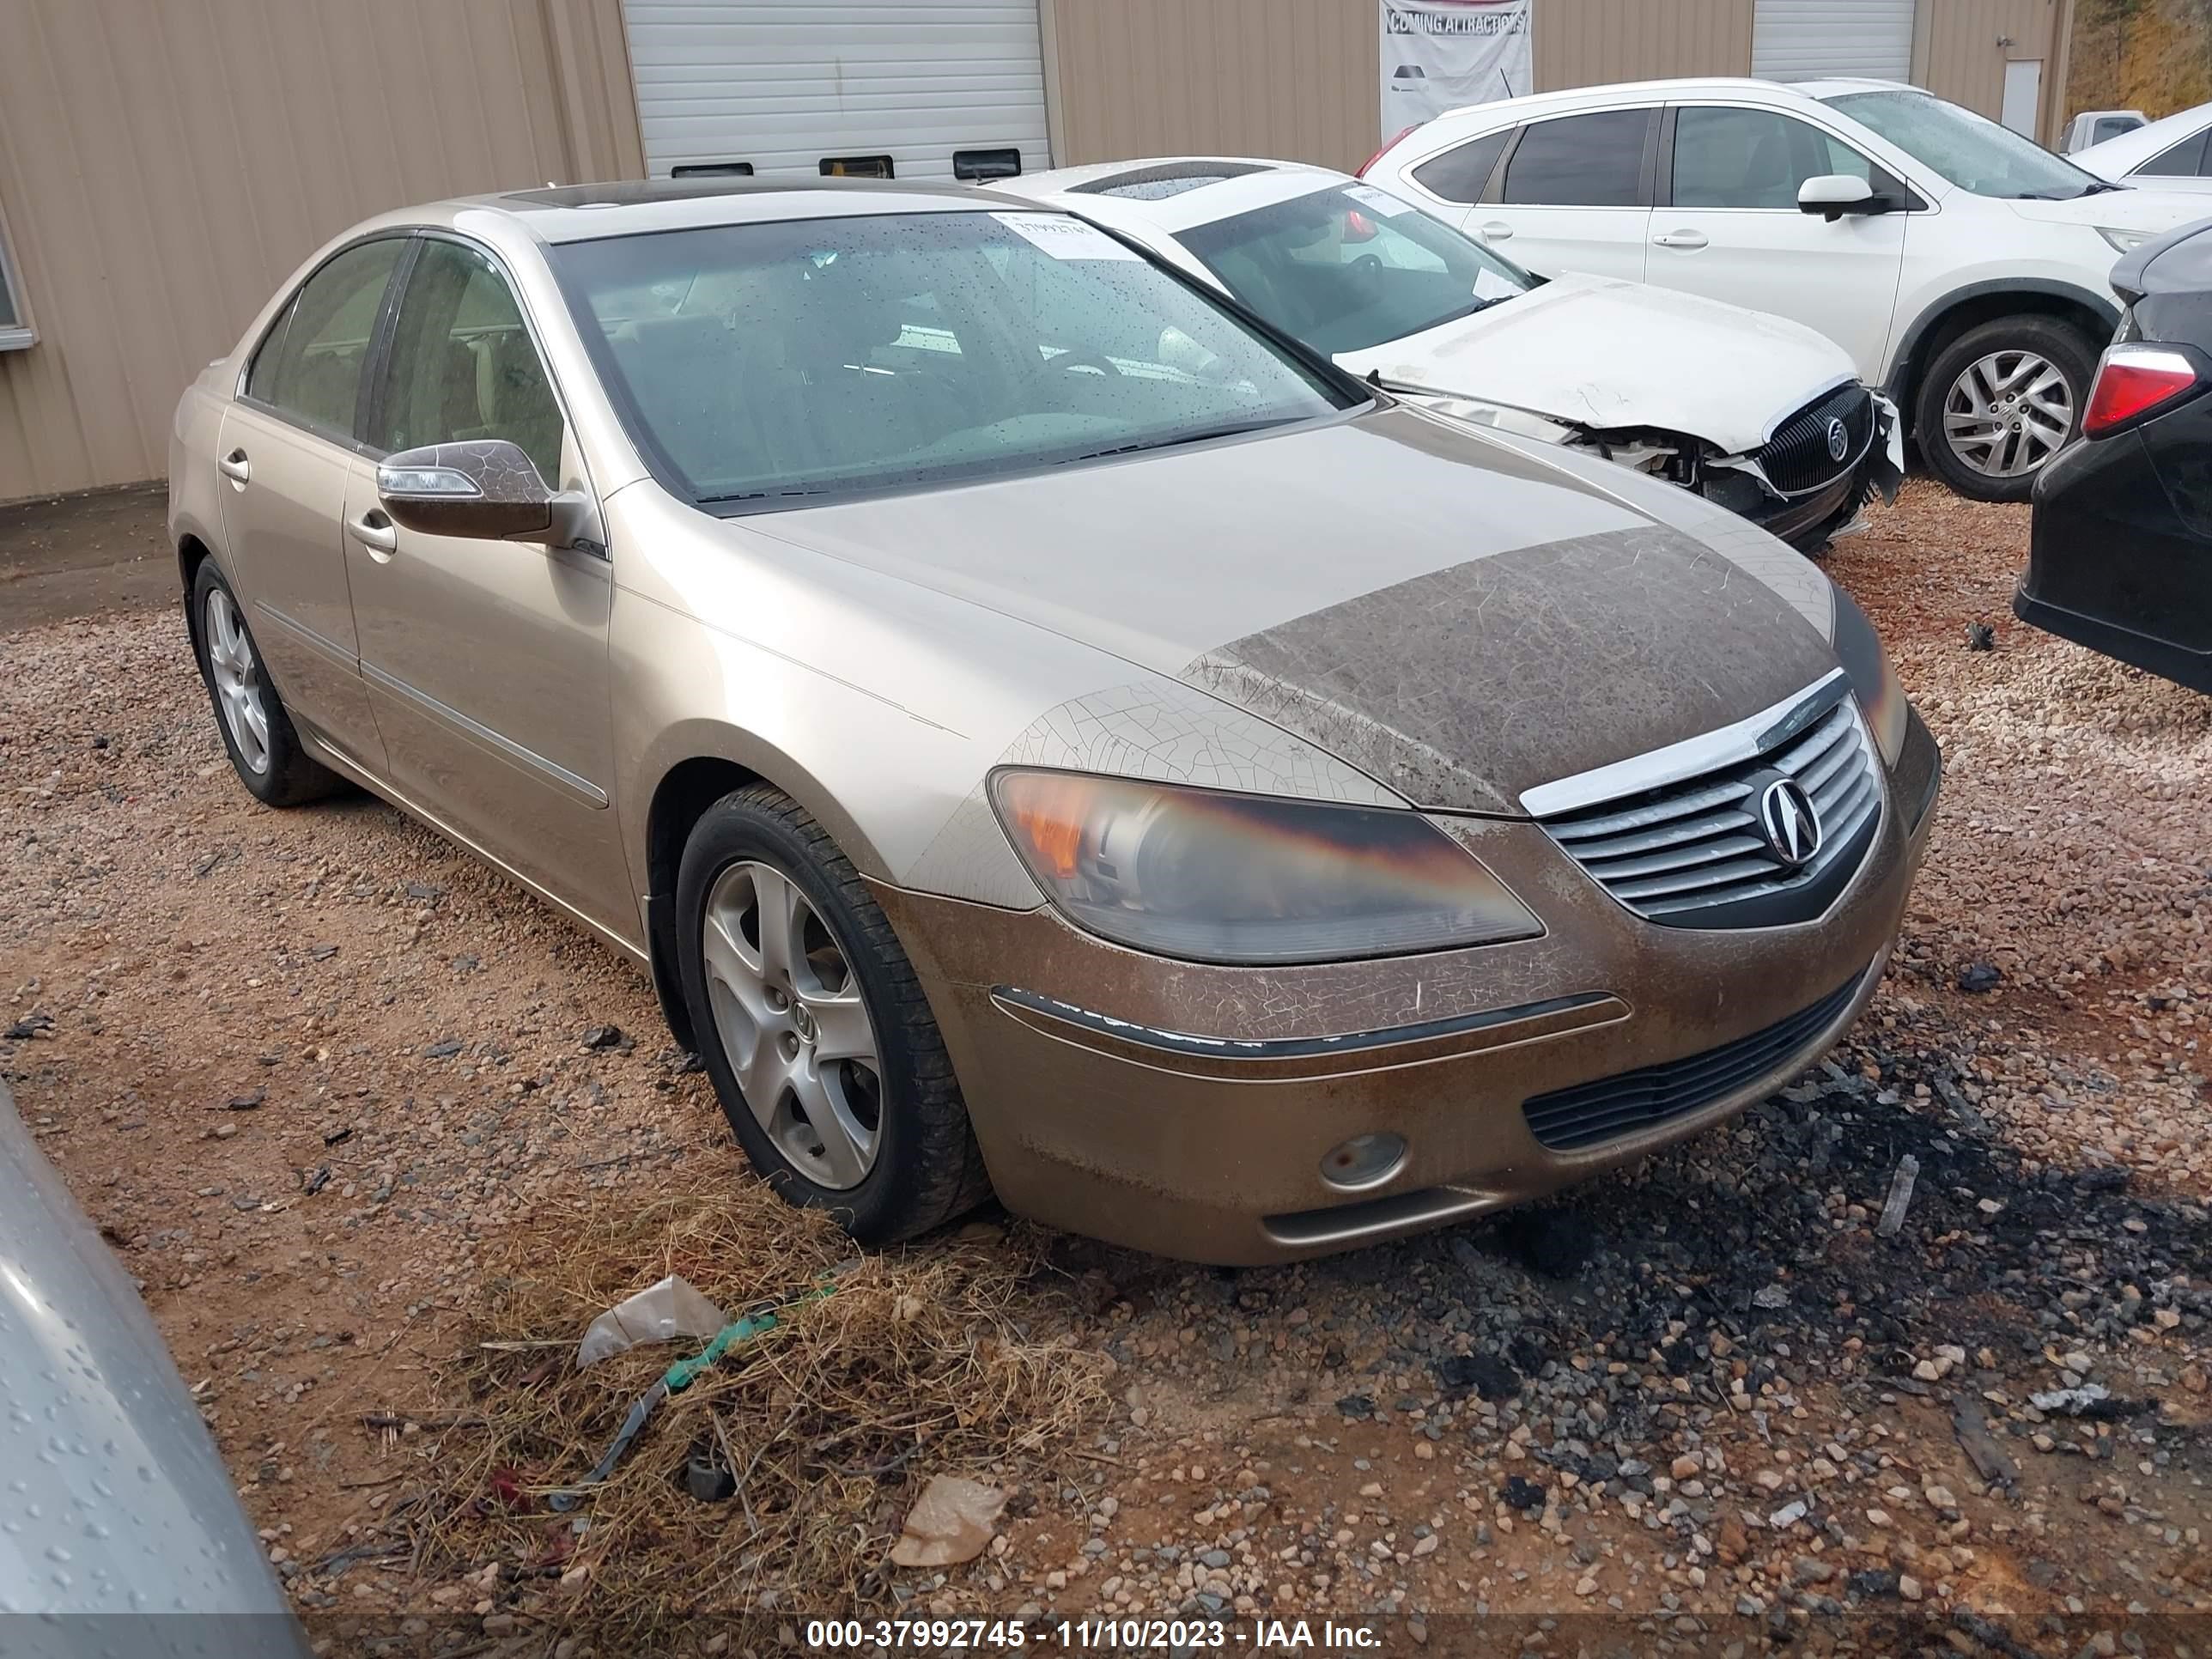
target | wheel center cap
x=802, y=1023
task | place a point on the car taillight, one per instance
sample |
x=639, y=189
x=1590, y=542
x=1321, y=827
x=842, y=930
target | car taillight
x=1389, y=145
x=2134, y=381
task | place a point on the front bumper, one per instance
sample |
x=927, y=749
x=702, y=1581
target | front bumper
x=1806, y=520
x=1187, y=1110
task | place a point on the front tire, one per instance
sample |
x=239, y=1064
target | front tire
x=264, y=749
x=813, y=1028
x=2000, y=401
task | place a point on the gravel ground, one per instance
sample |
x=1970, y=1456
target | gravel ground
x=309, y=1071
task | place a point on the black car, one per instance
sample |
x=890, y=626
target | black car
x=2121, y=557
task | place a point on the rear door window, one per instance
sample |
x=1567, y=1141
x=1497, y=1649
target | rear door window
x=1460, y=173
x=309, y=365
x=2182, y=161
x=1581, y=160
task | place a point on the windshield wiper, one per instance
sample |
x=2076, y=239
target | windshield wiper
x=1467, y=310
x=1170, y=443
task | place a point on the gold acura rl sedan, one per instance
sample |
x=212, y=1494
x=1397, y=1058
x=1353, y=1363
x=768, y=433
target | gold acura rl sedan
x=1045, y=731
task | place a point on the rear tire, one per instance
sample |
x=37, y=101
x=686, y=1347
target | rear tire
x=796, y=983
x=264, y=749
x=1998, y=402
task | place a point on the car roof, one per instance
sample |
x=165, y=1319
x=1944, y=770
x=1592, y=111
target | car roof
x=2126, y=150
x=1508, y=110
x=573, y=213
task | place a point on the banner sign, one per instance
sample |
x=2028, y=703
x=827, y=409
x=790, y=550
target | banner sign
x=1440, y=54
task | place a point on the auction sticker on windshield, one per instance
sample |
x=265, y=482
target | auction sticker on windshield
x=1064, y=238
x=1380, y=201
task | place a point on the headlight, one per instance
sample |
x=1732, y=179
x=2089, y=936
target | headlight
x=2123, y=241
x=1218, y=877
x=1881, y=693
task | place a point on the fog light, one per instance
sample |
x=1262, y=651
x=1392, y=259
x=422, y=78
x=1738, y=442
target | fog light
x=1364, y=1161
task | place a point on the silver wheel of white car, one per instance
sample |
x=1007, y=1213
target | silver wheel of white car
x=794, y=1023
x=235, y=673
x=1999, y=401
x=2007, y=413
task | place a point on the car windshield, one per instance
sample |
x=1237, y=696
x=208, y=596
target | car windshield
x=1351, y=267
x=766, y=365
x=1971, y=150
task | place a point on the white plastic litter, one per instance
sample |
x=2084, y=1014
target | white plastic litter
x=2072, y=1401
x=660, y=1313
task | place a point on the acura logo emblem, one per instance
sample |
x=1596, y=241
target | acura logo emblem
x=1788, y=820
x=1839, y=441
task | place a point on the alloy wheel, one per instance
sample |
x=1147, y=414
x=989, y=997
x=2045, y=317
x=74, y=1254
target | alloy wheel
x=793, y=1025
x=237, y=674
x=2007, y=413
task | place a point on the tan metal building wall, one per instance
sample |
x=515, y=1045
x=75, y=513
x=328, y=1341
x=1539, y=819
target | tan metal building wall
x=1297, y=78
x=1587, y=42
x=163, y=166
x=1290, y=78
x=1960, y=47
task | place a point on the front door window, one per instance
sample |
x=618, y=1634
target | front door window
x=463, y=363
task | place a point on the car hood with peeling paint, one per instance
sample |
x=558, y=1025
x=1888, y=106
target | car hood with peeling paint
x=117, y=1521
x=1596, y=352
x=1460, y=615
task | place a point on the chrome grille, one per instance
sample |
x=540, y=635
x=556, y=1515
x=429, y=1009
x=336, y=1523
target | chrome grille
x=1796, y=459
x=1688, y=851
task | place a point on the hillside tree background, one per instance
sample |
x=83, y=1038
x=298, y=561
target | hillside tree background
x=2151, y=55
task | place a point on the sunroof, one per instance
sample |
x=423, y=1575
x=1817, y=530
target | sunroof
x=1157, y=184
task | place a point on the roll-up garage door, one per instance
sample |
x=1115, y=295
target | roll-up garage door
x=1804, y=39
x=790, y=90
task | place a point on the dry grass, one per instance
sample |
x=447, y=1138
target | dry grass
x=913, y=1365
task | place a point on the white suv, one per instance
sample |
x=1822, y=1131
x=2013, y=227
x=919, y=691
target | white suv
x=1963, y=267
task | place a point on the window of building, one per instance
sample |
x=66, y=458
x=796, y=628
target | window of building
x=1581, y=160
x=16, y=331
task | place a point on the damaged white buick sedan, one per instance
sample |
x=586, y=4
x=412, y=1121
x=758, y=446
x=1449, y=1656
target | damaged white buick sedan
x=1759, y=415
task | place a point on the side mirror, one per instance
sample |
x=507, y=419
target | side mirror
x=1831, y=195
x=487, y=488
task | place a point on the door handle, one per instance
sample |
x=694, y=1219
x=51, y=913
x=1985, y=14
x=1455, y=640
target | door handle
x=375, y=532
x=1496, y=231
x=234, y=466
x=1681, y=239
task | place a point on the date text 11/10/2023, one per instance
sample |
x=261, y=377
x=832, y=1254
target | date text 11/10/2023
x=1093, y=1635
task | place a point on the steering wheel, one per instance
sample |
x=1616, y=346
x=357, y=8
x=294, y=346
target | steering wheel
x=1103, y=364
